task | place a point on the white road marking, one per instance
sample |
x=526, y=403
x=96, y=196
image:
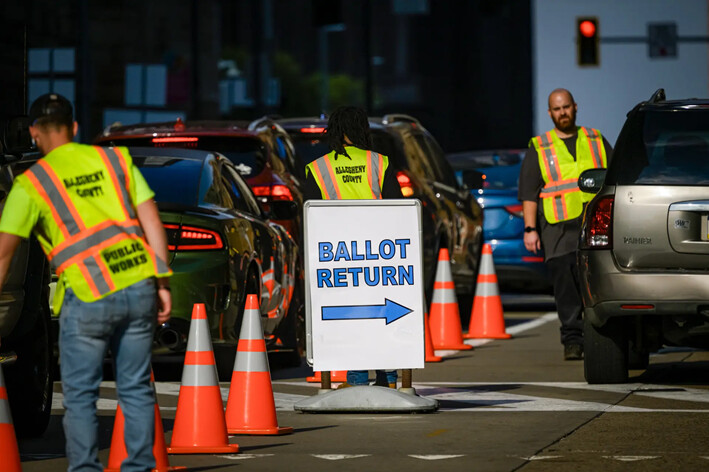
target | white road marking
x=338, y=457
x=630, y=458
x=239, y=457
x=513, y=330
x=433, y=457
x=477, y=397
x=540, y=458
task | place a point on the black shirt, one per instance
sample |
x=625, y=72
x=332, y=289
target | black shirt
x=390, y=187
x=560, y=238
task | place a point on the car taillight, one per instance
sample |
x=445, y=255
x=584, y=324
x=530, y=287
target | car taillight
x=192, y=238
x=407, y=187
x=275, y=192
x=313, y=130
x=515, y=210
x=599, y=224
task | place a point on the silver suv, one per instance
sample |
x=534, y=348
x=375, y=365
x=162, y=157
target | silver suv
x=644, y=249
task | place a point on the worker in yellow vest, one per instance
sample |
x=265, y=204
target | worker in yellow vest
x=352, y=171
x=552, y=206
x=95, y=218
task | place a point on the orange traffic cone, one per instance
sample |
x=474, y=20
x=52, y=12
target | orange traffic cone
x=430, y=353
x=250, y=407
x=446, y=331
x=335, y=376
x=9, y=453
x=486, y=318
x=118, y=452
x=199, y=420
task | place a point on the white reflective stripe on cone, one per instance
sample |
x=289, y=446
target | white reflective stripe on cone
x=251, y=361
x=199, y=375
x=251, y=325
x=444, y=295
x=487, y=289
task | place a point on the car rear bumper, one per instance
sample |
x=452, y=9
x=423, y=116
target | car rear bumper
x=609, y=291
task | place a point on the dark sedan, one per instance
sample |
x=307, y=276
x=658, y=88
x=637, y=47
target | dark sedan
x=222, y=247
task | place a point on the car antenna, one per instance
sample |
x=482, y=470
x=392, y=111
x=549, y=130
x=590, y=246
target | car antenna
x=658, y=96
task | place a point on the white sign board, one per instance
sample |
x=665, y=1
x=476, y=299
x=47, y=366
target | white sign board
x=364, y=284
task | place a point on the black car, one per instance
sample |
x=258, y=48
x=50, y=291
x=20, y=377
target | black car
x=222, y=247
x=27, y=348
x=451, y=218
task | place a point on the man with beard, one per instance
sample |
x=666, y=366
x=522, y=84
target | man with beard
x=553, y=204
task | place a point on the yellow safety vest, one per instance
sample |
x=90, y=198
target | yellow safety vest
x=562, y=199
x=359, y=177
x=100, y=248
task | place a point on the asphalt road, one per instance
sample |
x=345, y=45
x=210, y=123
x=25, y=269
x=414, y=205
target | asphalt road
x=504, y=406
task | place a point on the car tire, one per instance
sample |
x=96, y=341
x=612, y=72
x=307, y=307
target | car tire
x=293, y=333
x=606, y=352
x=29, y=380
x=638, y=360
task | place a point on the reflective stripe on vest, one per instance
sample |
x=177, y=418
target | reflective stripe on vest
x=327, y=181
x=561, y=192
x=81, y=245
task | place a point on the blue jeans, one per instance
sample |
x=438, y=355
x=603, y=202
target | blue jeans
x=124, y=322
x=361, y=377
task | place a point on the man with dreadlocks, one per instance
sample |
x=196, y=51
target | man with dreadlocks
x=352, y=171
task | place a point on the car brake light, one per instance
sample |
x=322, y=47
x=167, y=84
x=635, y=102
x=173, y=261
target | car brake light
x=191, y=238
x=515, y=210
x=599, y=221
x=407, y=187
x=312, y=130
x=637, y=307
x=275, y=192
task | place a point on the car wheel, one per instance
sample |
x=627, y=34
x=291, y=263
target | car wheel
x=29, y=379
x=638, y=360
x=606, y=352
x=293, y=333
x=225, y=354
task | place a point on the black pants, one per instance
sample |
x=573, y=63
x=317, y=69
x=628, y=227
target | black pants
x=565, y=278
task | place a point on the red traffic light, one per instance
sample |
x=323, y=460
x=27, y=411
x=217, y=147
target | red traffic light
x=587, y=28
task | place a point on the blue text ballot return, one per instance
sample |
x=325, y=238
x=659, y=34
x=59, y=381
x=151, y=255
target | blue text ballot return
x=364, y=284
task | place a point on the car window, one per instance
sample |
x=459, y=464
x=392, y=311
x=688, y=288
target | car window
x=214, y=188
x=247, y=153
x=286, y=153
x=246, y=201
x=438, y=160
x=663, y=148
x=416, y=157
x=172, y=180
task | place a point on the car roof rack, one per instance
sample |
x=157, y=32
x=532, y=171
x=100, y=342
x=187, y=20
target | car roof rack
x=658, y=96
x=396, y=117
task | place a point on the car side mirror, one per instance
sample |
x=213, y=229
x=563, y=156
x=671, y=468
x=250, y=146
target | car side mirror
x=16, y=139
x=473, y=179
x=591, y=180
x=283, y=210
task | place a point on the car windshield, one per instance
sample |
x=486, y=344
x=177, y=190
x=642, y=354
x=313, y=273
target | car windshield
x=659, y=147
x=172, y=180
x=308, y=148
x=501, y=168
x=248, y=154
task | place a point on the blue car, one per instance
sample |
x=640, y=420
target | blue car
x=503, y=225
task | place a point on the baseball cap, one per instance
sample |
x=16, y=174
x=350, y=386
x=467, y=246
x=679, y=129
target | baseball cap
x=51, y=104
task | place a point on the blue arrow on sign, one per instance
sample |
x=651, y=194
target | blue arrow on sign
x=390, y=311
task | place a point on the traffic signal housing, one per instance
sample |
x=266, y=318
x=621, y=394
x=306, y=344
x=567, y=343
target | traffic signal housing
x=587, y=41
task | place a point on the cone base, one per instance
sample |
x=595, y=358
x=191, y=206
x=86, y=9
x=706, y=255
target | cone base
x=433, y=359
x=487, y=336
x=229, y=448
x=156, y=469
x=277, y=431
x=453, y=347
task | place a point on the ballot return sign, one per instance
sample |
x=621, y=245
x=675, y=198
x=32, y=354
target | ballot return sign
x=364, y=284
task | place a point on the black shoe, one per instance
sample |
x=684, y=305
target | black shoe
x=573, y=352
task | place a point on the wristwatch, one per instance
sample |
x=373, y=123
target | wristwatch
x=529, y=229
